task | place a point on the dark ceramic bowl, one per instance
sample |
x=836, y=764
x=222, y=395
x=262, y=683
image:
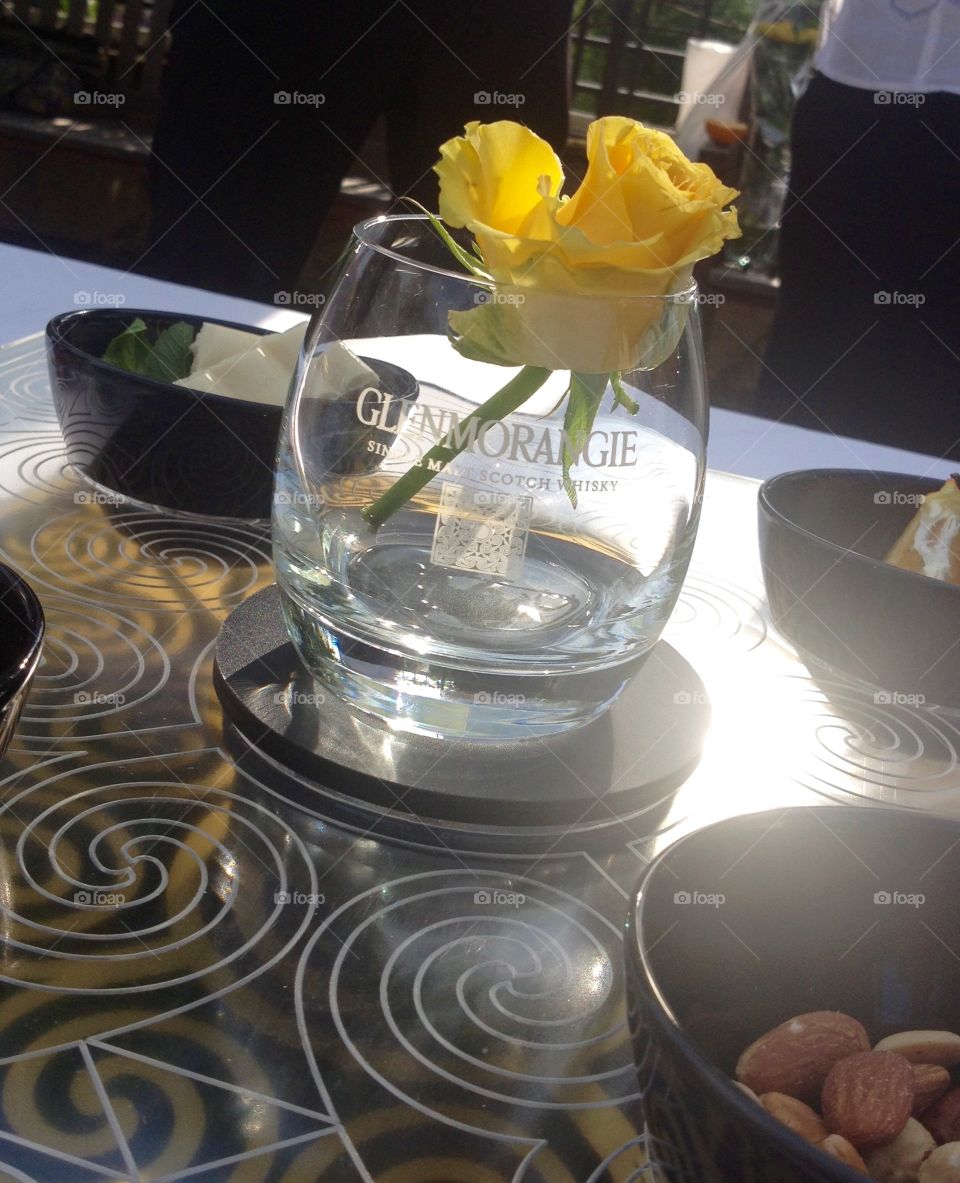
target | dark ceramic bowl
x=753, y=920
x=166, y=445
x=21, y=636
x=823, y=536
x=155, y=442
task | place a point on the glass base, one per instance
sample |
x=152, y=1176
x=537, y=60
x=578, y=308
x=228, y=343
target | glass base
x=432, y=698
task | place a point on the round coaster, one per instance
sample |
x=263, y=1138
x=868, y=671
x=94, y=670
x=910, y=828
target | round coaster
x=533, y=793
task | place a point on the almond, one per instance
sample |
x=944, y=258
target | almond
x=796, y=1115
x=924, y=1047
x=899, y=1161
x=795, y=1057
x=747, y=1091
x=930, y=1082
x=943, y=1118
x=838, y=1147
x=943, y=1166
x=867, y=1097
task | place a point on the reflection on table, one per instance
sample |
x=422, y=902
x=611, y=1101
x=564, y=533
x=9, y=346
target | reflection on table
x=201, y=981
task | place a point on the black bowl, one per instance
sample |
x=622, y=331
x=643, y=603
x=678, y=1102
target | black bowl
x=823, y=536
x=753, y=920
x=21, y=636
x=156, y=442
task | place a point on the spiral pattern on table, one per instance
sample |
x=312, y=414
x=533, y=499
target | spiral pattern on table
x=23, y=377
x=33, y=468
x=125, y=1113
x=506, y=998
x=133, y=888
x=716, y=611
x=95, y=663
x=874, y=743
x=136, y=558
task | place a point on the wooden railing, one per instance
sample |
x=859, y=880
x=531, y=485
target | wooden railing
x=628, y=54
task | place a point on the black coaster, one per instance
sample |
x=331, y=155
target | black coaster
x=532, y=793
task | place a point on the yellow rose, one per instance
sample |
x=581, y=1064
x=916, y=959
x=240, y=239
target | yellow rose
x=571, y=272
x=492, y=176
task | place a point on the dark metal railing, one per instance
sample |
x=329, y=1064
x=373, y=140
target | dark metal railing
x=627, y=55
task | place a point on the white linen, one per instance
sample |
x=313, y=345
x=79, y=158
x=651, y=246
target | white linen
x=36, y=285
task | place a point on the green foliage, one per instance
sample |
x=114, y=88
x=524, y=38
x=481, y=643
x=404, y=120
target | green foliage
x=583, y=401
x=167, y=358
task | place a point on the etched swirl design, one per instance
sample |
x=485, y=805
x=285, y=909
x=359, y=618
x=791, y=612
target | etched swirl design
x=494, y=995
x=25, y=385
x=172, y=989
x=141, y=887
x=34, y=469
x=95, y=662
x=147, y=560
x=874, y=743
x=106, y=1109
x=715, y=611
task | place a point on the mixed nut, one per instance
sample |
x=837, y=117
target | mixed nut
x=891, y=1112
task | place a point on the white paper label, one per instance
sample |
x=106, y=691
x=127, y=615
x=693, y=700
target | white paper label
x=481, y=531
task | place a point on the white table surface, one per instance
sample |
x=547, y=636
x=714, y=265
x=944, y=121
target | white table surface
x=36, y=285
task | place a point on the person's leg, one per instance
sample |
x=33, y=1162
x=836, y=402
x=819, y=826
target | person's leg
x=508, y=61
x=865, y=220
x=241, y=180
x=933, y=190
x=828, y=250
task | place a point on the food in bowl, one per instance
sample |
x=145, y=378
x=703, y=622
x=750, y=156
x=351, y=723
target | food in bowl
x=724, y=133
x=153, y=441
x=824, y=537
x=931, y=542
x=215, y=359
x=848, y=909
x=881, y=1110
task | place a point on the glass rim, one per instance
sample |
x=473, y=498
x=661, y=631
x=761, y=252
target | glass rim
x=362, y=233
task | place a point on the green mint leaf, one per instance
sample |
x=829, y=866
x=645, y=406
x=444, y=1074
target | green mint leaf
x=166, y=359
x=620, y=396
x=130, y=349
x=170, y=358
x=583, y=402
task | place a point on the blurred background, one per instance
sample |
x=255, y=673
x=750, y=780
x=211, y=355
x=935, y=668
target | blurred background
x=82, y=85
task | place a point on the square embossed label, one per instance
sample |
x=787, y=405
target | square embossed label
x=481, y=531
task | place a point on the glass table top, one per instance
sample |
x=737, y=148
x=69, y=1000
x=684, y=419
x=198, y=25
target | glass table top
x=200, y=981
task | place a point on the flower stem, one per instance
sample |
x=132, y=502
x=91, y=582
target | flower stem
x=498, y=406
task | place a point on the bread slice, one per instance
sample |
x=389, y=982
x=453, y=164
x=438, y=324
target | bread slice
x=931, y=542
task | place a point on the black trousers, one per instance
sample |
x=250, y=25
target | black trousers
x=241, y=181
x=866, y=340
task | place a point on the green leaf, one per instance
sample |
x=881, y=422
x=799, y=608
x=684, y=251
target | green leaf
x=620, y=396
x=166, y=359
x=463, y=257
x=170, y=358
x=583, y=402
x=130, y=349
